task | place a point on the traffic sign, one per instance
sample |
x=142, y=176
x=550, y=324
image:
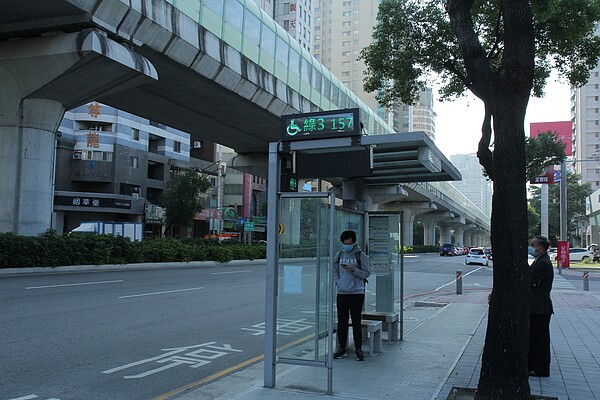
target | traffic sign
x=249, y=226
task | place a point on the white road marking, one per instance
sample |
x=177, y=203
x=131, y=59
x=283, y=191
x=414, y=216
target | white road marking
x=450, y=283
x=73, y=284
x=231, y=272
x=154, y=293
x=31, y=396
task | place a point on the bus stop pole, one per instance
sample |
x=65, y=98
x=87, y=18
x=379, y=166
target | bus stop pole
x=272, y=268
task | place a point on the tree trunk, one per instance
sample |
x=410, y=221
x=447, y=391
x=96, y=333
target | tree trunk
x=504, y=361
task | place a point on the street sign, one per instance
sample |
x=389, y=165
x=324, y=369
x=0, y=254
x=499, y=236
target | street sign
x=249, y=226
x=323, y=124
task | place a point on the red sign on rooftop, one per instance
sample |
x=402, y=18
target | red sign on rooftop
x=564, y=130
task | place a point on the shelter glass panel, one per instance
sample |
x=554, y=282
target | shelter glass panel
x=303, y=292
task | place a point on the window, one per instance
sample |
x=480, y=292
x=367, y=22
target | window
x=347, y=3
x=346, y=14
x=346, y=43
x=346, y=23
x=356, y=12
x=286, y=25
x=135, y=134
x=346, y=33
x=215, y=6
x=133, y=162
x=96, y=155
x=294, y=62
x=177, y=147
x=356, y=31
x=345, y=73
x=252, y=27
x=267, y=41
x=281, y=51
x=345, y=63
x=317, y=37
x=356, y=22
x=234, y=12
x=345, y=53
x=317, y=46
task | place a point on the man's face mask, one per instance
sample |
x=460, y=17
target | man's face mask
x=532, y=251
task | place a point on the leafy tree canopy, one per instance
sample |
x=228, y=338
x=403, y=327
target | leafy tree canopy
x=542, y=152
x=182, y=199
x=415, y=43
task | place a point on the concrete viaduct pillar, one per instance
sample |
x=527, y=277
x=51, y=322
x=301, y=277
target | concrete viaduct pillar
x=409, y=213
x=456, y=224
x=41, y=78
x=430, y=221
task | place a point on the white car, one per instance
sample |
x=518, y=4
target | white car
x=575, y=254
x=476, y=256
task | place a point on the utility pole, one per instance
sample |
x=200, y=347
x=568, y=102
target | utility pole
x=563, y=201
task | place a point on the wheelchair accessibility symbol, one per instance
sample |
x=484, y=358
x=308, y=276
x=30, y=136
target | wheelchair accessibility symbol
x=293, y=129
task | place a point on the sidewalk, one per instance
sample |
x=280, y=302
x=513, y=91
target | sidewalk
x=442, y=348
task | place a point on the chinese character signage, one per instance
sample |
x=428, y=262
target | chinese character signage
x=324, y=124
x=94, y=109
x=93, y=140
x=562, y=254
x=89, y=201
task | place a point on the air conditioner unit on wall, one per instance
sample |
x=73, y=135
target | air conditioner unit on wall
x=77, y=155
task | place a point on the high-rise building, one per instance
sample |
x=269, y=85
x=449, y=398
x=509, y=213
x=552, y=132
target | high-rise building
x=474, y=186
x=585, y=115
x=266, y=5
x=296, y=17
x=420, y=117
x=342, y=28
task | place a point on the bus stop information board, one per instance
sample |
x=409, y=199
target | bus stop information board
x=323, y=124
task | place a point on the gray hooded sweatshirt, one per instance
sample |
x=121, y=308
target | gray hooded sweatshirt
x=348, y=282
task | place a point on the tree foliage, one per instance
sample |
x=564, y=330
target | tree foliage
x=576, y=195
x=502, y=51
x=542, y=152
x=182, y=198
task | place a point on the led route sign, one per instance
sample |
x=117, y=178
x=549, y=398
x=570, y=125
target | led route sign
x=321, y=124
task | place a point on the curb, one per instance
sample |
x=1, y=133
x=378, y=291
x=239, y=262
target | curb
x=123, y=267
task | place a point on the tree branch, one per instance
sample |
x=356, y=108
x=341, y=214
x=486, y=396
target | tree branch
x=485, y=155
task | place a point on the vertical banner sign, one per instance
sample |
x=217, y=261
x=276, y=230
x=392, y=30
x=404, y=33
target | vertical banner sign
x=562, y=256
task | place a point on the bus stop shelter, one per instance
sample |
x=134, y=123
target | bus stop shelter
x=303, y=227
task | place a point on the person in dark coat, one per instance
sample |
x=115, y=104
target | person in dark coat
x=541, y=276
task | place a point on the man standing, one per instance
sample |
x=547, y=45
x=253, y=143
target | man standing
x=541, y=276
x=350, y=270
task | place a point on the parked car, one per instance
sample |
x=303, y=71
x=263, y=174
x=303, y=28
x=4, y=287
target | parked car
x=476, y=256
x=575, y=254
x=447, y=249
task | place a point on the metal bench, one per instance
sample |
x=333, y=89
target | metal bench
x=391, y=320
x=370, y=330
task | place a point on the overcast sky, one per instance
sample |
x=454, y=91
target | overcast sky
x=458, y=123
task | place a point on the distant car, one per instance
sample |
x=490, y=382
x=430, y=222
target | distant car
x=447, y=249
x=488, y=252
x=575, y=254
x=476, y=256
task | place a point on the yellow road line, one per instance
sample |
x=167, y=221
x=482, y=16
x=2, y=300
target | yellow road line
x=227, y=371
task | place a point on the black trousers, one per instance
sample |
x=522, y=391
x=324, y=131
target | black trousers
x=538, y=358
x=349, y=305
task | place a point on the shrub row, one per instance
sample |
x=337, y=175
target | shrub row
x=51, y=250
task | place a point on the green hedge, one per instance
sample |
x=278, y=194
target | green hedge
x=51, y=250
